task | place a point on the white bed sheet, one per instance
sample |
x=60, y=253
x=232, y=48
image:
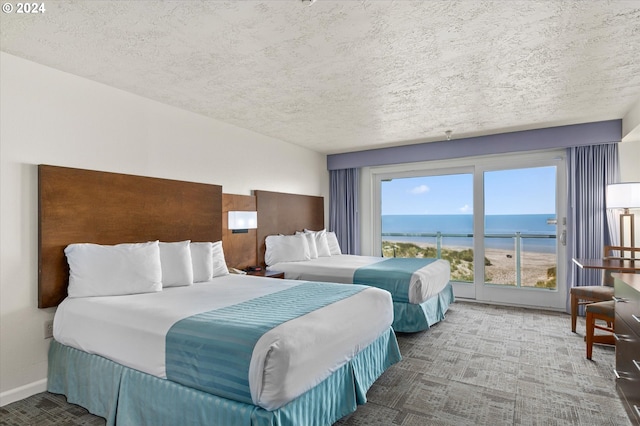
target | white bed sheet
x=425, y=282
x=286, y=362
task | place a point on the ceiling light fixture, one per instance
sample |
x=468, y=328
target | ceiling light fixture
x=308, y=2
x=448, y=133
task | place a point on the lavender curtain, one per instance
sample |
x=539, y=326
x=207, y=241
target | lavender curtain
x=590, y=169
x=344, y=195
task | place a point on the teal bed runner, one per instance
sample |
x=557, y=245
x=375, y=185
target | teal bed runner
x=211, y=351
x=393, y=274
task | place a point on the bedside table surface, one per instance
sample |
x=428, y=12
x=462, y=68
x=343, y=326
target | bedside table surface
x=268, y=274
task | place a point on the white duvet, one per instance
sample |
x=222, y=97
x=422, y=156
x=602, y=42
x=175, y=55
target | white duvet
x=425, y=282
x=286, y=362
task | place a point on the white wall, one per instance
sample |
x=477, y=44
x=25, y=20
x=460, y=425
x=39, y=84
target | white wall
x=629, y=153
x=631, y=124
x=50, y=117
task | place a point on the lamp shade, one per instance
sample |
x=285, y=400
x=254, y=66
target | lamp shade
x=243, y=220
x=623, y=195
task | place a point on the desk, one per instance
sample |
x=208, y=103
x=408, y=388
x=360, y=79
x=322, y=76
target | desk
x=615, y=265
x=627, y=328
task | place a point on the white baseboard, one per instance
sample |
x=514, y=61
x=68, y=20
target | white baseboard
x=22, y=392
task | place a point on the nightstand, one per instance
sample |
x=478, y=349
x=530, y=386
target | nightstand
x=268, y=274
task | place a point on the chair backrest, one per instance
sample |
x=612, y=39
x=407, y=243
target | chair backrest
x=618, y=252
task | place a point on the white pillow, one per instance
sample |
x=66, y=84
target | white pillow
x=334, y=246
x=175, y=259
x=321, y=242
x=311, y=240
x=202, y=260
x=286, y=248
x=101, y=270
x=219, y=264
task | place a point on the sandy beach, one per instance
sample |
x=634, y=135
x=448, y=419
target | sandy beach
x=534, y=266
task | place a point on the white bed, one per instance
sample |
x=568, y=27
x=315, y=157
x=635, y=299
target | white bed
x=107, y=355
x=287, y=361
x=420, y=288
x=425, y=282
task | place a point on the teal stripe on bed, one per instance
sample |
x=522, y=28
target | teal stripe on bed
x=211, y=351
x=393, y=274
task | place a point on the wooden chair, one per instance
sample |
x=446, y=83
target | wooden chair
x=584, y=295
x=603, y=311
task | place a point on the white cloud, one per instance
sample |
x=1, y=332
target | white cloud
x=419, y=189
x=465, y=208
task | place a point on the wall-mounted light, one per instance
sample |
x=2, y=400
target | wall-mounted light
x=625, y=196
x=241, y=222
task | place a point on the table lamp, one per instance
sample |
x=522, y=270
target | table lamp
x=624, y=196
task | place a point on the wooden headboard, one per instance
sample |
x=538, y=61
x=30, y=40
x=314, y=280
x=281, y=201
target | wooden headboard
x=281, y=213
x=84, y=206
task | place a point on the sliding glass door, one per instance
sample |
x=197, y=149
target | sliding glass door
x=499, y=222
x=523, y=235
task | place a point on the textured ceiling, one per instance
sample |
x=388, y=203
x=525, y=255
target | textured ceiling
x=338, y=76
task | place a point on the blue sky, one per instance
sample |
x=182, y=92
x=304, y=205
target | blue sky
x=518, y=191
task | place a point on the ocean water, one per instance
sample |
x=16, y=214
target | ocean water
x=530, y=224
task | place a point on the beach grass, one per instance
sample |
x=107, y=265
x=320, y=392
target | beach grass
x=536, y=269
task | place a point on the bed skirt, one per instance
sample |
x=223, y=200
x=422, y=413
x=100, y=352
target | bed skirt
x=124, y=396
x=410, y=318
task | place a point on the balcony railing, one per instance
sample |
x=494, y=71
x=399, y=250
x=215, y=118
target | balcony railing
x=517, y=237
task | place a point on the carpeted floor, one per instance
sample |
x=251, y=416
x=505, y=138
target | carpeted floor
x=483, y=365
